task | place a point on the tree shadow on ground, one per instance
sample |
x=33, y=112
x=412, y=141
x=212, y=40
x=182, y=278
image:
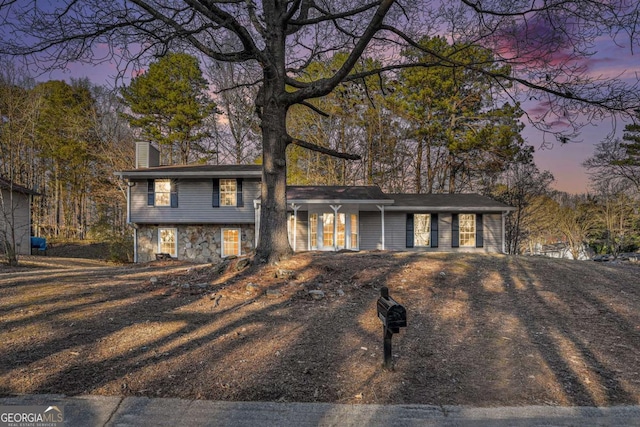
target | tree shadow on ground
x=483, y=330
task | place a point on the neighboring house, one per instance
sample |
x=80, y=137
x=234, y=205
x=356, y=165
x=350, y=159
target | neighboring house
x=204, y=213
x=561, y=250
x=15, y=216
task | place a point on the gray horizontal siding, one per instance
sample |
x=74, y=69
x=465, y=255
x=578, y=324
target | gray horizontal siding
x=302, y=229
x=370, y=231
x=492, y=232
x=194, y=205
x=395, y=226
x=395, y=233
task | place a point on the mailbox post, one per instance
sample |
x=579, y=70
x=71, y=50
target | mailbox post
x=393, y=317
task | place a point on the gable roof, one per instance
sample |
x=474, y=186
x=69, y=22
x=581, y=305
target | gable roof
x=447, y=202
x=399, y=201
x=5, y=184
x=336, y=194
x=194, y=171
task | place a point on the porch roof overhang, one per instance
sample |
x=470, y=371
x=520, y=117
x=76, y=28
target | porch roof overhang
x=447, y=203
x=337, y=195
x=451, y=208
x=339, y=202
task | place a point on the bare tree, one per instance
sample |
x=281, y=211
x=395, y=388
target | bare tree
x=284, y=36
x=617, y=215
x=575, y=222
x=610, y=161
x=523, y=186
x=237, y=128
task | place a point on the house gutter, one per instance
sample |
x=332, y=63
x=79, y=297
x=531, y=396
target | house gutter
x=187, y=174
x=135, y=245
x=449, y=209
x=339, y=201
x=135, y=229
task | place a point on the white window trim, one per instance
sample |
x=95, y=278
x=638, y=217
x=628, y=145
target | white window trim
x=224, y=255
x=320, y=230
x=475, y=228
x=156, y=192
x=309, y=231
x=349, y=230
x=415, y=231
x=234, y=193
x=174, y=254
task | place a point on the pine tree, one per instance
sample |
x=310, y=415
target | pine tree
x=169, y=105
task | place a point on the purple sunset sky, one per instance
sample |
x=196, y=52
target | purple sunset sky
x=610, y=60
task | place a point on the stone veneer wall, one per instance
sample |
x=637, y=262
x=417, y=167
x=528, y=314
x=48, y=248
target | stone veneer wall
x=197, y=243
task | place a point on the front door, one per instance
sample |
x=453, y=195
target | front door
x=329, y=231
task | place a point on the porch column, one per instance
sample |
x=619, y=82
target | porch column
x=256, y=207
x=381, y=208
x=503, y=232
x=335, y=208
x=295, y=224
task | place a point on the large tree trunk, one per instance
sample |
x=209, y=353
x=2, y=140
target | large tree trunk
x=273, y=244
x=273, y=241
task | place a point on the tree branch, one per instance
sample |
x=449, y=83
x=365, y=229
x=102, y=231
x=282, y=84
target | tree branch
x=323, y=150
x=324, y=86
x=314, y=108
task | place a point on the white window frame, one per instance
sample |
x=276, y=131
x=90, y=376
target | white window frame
x=341, y=218
x=314, y=220
x=291, y=228
x=419, y=242
x=222, y=240
x=352, y=232
x=328, y=225
x=326, y=219
x=174, y=253
x=228, y=192
x=164, y=194
x=467, y=227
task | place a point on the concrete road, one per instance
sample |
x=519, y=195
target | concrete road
x=83, y=411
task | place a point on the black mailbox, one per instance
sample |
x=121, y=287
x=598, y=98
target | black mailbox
x=394, y=317
x=392, y=314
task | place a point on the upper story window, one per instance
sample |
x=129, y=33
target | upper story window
x=162, y=192
x=227, y=192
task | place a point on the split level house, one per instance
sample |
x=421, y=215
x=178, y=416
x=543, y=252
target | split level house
x=204, y=213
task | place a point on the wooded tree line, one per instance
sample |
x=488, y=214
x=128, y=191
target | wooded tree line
x=422, y=130
x=427, y=130
x=64, y=140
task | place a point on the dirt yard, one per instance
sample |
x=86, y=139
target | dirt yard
x=482, y=330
